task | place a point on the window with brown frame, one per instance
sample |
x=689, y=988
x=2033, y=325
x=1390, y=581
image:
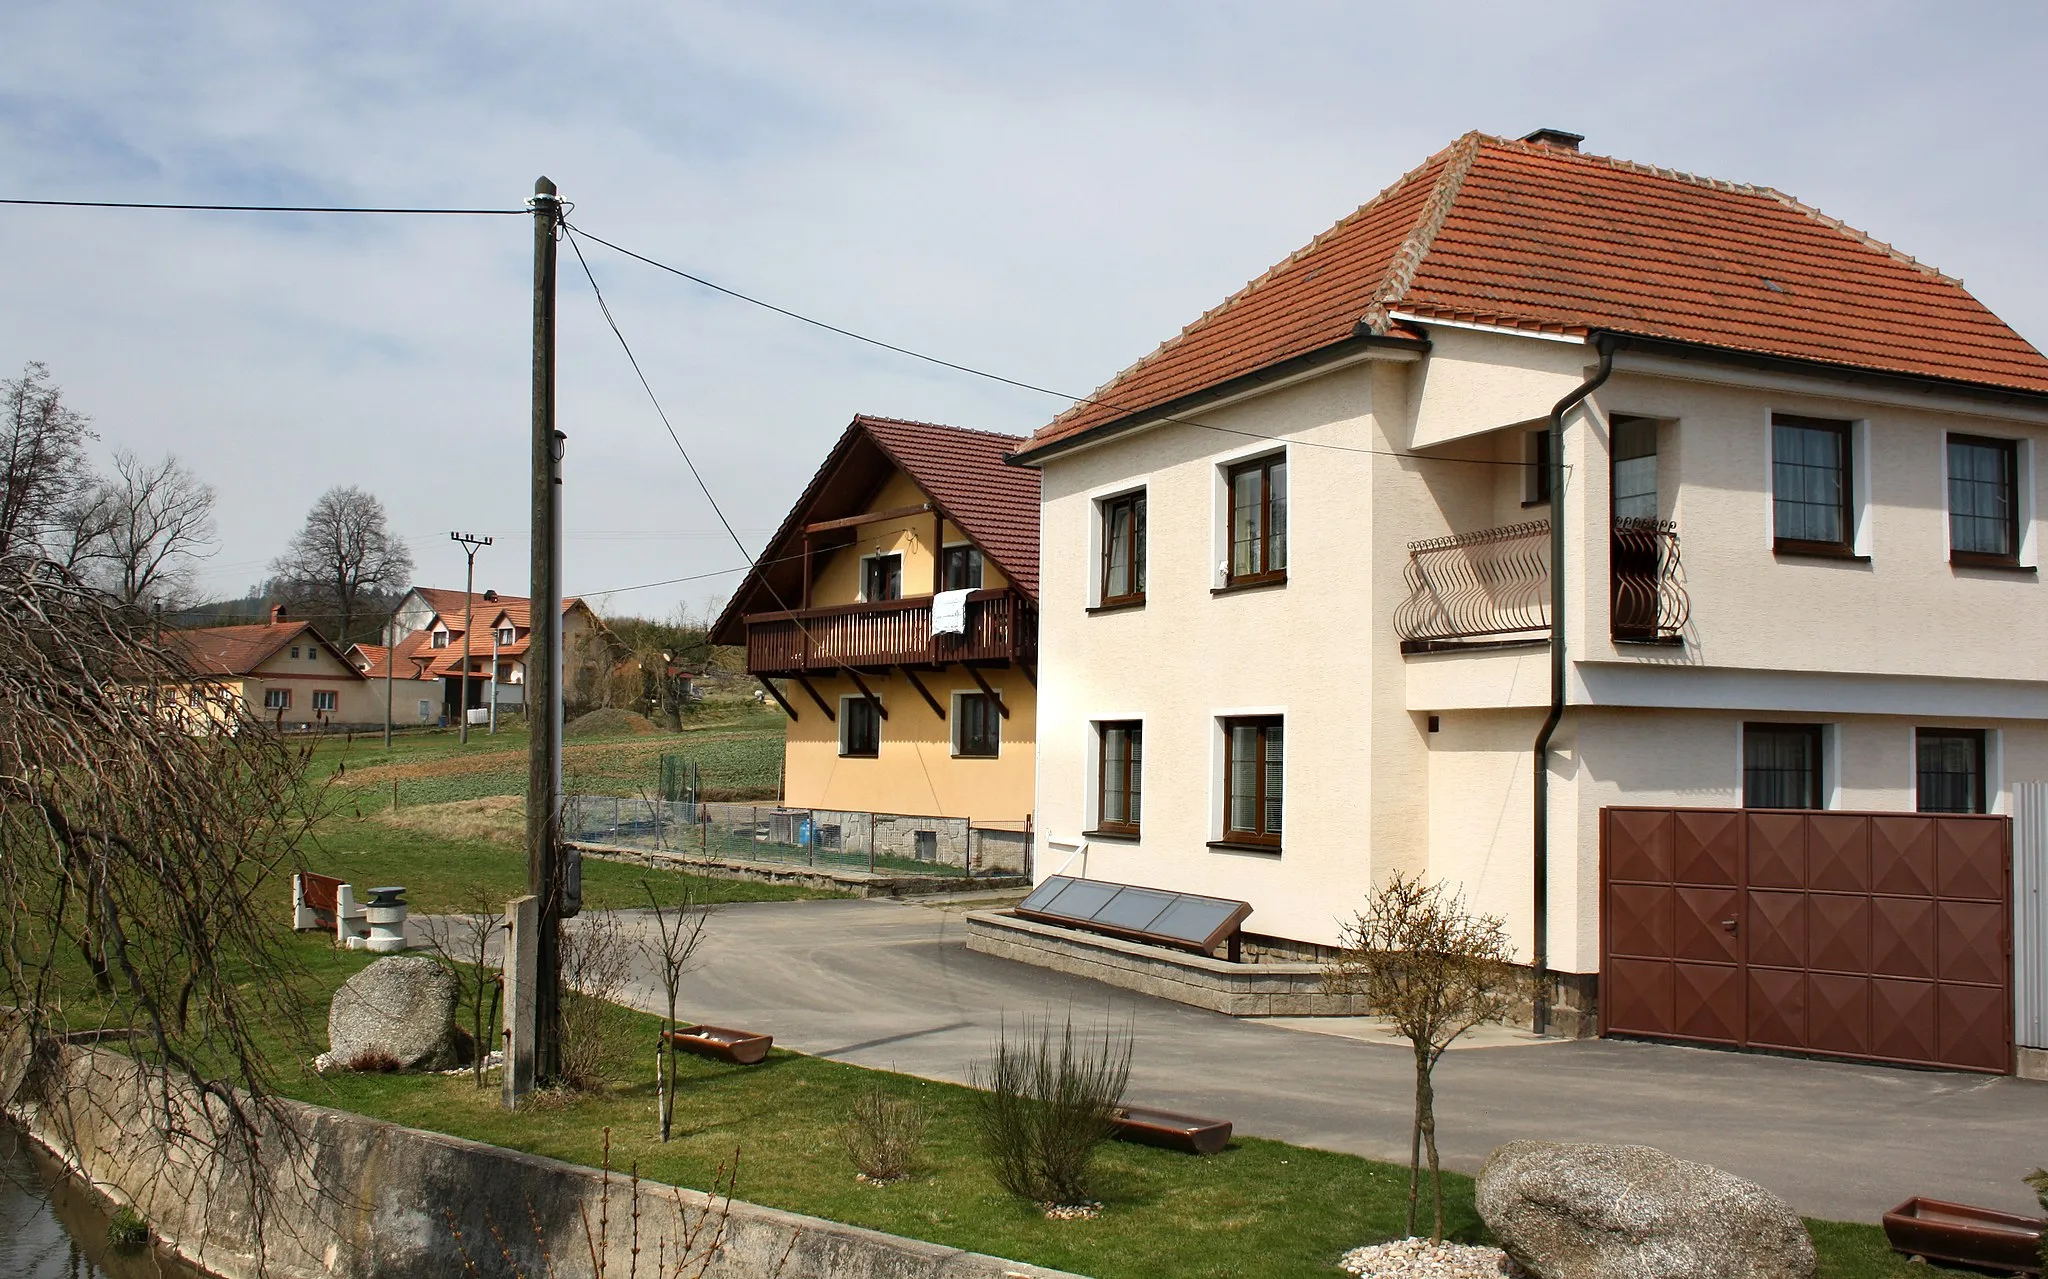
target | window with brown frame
x=1983, y=501
x=1781, y=766
x=962, y=569
x=1253, y=773
x=1123, y=550
x=860, y=728
x=1948, y=768
x=881, y=577
x=1258, y=521
x=1120, y=769
x=977, y=726
x=1812, y=489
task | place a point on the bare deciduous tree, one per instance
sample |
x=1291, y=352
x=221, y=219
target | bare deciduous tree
x=144, y=820
x=42, y=461
x=462, y=942
x=679, y=928
x=158, y=518
x=1417, y=957
x=343, y=561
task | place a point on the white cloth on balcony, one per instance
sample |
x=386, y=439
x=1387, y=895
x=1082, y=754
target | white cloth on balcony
x=949, y=612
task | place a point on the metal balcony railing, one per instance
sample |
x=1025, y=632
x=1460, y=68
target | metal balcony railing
x=1001, y=626
x=1650, y=605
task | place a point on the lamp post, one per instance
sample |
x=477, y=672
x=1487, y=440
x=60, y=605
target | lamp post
x=471, y=544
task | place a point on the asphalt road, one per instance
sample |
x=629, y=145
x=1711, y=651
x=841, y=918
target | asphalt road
x=893, y=985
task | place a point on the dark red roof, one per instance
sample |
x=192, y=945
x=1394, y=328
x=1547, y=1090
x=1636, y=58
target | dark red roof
x=962, y=471
x=1531, y=236
x=239, y=650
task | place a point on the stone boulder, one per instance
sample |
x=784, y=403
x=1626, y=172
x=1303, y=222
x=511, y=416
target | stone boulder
x=402, y=1007
x=1565, y=1210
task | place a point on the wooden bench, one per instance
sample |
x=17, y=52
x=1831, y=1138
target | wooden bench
x=740, y=1047
x=314, y=898
x=1166, y=1129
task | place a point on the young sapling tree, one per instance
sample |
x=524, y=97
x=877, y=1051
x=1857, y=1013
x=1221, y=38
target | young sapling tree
x=679, y=931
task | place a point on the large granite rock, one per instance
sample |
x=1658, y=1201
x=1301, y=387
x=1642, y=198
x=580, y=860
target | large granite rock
x=1567, y=1210
x=403, y=1007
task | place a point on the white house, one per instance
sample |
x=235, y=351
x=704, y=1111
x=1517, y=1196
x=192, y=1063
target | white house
x=1297, y=631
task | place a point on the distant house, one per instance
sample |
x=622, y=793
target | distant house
x=415, y=694
x=281, y=672
x=890, y=712
x=432, y=622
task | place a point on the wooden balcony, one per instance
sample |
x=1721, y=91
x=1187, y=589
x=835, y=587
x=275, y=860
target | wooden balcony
x=1001, y=626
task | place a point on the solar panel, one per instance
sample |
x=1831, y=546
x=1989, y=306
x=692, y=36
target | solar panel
x=1185, y=921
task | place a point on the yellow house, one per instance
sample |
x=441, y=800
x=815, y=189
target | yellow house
x=895, y=708
x=282, y=673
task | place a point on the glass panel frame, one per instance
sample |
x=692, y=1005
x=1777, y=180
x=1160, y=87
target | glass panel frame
x=1949, y=770
x=1254, y=778
x=1812, y=485
x=1119, y=795
x=978, y=731
x=1256, y=493
x=1123, y=550
x=1983, y=500
x=860, y=729
x=1783, y=766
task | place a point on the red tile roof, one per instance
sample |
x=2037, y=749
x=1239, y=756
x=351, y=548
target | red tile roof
x=412, y=653
x=1530, y=236
x=239, y=650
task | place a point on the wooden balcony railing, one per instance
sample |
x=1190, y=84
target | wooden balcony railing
x=1493, y=587
x=1001, y=626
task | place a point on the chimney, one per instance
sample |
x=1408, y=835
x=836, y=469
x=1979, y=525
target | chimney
x=1558, y=138
x=276, y=614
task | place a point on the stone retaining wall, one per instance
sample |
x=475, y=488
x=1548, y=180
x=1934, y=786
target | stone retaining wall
x=859, y=883
x=358, y=1198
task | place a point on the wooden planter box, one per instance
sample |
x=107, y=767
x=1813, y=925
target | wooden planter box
x=1185, y=1133
x=1968, y=1236
x=740, y=1047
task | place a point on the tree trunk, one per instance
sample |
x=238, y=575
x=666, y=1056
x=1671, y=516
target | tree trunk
x=1425, y=1109
x=1415, y=1136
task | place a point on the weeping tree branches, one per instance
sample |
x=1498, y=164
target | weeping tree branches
x=144, y=824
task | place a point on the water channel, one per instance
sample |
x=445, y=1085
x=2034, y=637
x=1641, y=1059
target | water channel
x=53, y=1228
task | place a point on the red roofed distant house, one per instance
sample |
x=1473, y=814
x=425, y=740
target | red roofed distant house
x=281, y=672
x=1296, y=604
x=432, y=622
x=841, y=622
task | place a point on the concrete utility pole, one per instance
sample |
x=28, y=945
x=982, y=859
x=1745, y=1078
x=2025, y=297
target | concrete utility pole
x=390, y=663
x=471, y=544
x=491, y=685
x=544, y=657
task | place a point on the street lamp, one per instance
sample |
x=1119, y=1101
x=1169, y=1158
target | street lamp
x=471, y=544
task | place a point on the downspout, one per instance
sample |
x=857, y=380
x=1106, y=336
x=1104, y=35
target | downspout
x=1540, y=1014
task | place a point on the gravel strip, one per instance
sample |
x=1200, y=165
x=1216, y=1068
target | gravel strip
x=1421, y=1259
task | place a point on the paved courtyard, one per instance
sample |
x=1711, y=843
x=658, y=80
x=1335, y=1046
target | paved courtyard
x=893, y=985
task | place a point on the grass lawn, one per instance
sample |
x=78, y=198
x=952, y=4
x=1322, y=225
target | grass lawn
x=1260, y=1208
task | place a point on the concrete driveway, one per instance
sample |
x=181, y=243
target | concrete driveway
x=893, y=985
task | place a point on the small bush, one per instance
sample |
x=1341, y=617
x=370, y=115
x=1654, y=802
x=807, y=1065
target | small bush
x=373, y=1061
x=608, y=722
x=127, y=1229
x=884, y=1133
x=1047, y=1102
x=596, y=964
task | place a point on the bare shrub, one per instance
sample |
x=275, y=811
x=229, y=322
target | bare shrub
x=1418, y=958
x=462, y=943
x=1047, y=1101
x=596, y=963
x=679, y=930
x=884, y=1133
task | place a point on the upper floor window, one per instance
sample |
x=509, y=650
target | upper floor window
x=1811, y=488
x=1983, y=500
x=1781, y=766
x=1635, y=468
x=439, y=639
x=506, y=634
x=977, y=726
x=1258, y=520
x=1536, y=479
x=295, y=652
x=1253, y=774
x=962, y=569
x=1948, y=768
x=1123, y=549
x=860, y=728
x=1120, y=776
x=881, y=577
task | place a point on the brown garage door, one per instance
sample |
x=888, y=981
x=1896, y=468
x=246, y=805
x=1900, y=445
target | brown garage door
x=1884, y=936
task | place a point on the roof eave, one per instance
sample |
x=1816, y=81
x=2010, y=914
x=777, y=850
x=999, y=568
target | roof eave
x=1925, y=383
x=1361, y=339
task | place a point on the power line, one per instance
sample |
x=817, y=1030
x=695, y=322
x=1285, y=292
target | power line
x=972, y=371
x=671, y=581
x=265, y=208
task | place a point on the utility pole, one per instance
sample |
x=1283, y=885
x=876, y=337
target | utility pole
x=390, y=664
x=544, y=878
x=471, y=544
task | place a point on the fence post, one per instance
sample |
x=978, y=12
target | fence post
x=871, y=843
x=812, y=836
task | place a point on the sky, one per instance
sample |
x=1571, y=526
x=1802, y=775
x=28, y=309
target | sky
x=1044, y=190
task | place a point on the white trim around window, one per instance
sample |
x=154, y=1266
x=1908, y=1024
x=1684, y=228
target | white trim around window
x=1861, y=537
x=846, y=722
x=1091, y=773
x=1097, y=499
x=1219, y=752
x=865, y=560
x=956, y=722
x=1219, y=503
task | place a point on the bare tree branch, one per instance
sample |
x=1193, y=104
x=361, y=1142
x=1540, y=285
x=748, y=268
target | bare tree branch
x=42, y=461
x=344, y=561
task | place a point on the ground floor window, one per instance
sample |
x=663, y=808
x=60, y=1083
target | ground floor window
x=277, y=699
x=1949, y=769
x=324, y=700
x=977, y=726
x=1781, y=766
x=1120, y=797
x=426, y=709
x=1253, y=755
x=860, y=728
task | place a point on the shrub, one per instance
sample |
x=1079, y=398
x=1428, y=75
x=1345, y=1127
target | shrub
x=127, y=1229
x=596, y=963
x=884, y=1133
x=373, y=1061
x=1047, y=1102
